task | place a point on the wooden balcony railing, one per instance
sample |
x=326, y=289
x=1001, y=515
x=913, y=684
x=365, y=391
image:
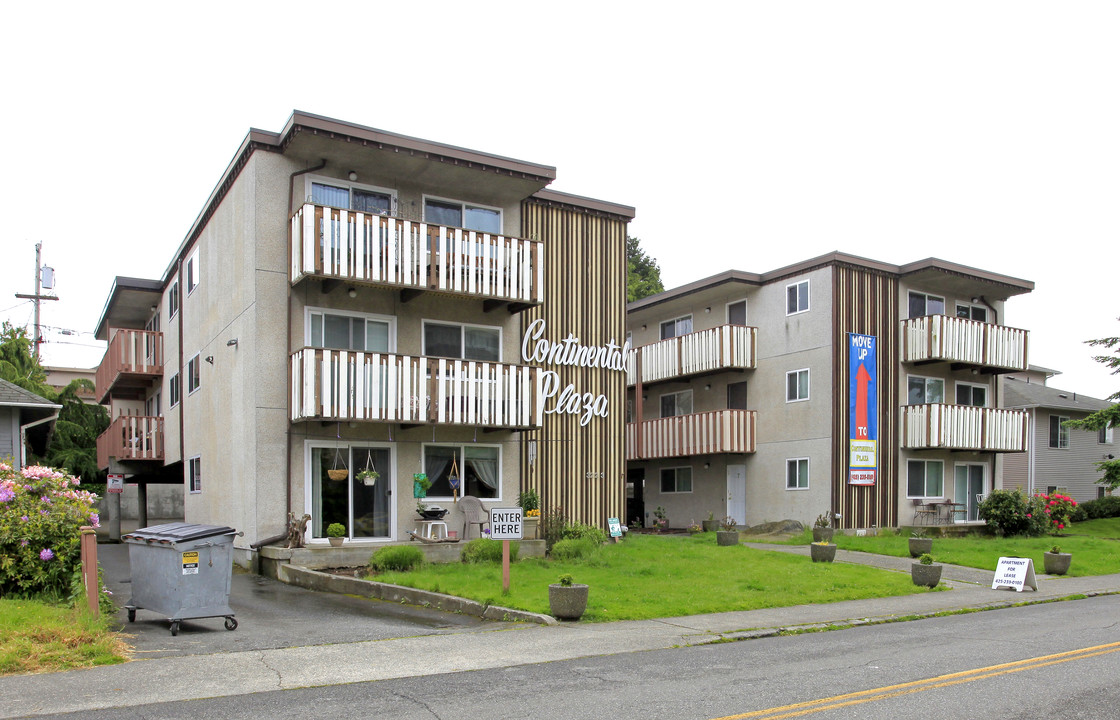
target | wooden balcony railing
x=382, y=250
x=963, y=427
x=131, y=438
x=342, y=385
x=725, y=347
x=133, y=359
x=706, y=433
x=960, y=340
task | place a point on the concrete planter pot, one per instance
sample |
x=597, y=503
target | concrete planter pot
x=925, y=575
x=1056, y=563
x=529, y=528
x=823, y=534
x=920, y=546
x=822, y=553
x=335, y=541
x=567, y=602
x=709, y=525
x=727, y=537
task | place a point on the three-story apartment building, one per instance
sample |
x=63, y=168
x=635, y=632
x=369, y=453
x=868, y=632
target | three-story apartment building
x=350, y=299
x=839, y=385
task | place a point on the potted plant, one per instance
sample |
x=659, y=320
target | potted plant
x=711, y=524
x=661, y=519
x=920, y=544
x=336, y=533
x=420, y=485
x=822, y=551
x=925, y=572
x=567, y=600
x=728, y=534
x=822, y=527
x=1056, y=562
x=694, y=528
x=530, y=502
x=368, y=477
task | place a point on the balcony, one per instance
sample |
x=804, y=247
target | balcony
x=416, y=257
x=965, y=343
x=726, y=347
x=410, y=390
x=963, y=427
x=706, y=433
x=131, y=438
x=134, y=358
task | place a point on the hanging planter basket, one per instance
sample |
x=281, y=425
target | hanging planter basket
x=339, y=472
x=369, y=475
x=338, y=475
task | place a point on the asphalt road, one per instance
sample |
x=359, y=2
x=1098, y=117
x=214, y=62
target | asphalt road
x=1024, y=662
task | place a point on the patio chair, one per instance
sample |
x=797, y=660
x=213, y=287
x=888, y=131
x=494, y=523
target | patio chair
x=473, y=514
x=924, y=512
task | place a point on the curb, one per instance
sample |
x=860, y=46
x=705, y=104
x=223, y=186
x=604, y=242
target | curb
x=325, y=582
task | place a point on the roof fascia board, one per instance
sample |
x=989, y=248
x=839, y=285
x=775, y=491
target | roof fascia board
x=585, y=203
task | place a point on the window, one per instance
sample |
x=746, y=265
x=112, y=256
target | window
x=972, y=312
x=478, y=465
x=193, y=377
x=456, y=214
x=737, y=396
x=925, y=478
x=1104, y=435
x=465, y=342
x=376, y=201
x=737, y=313
x=173, y=390
x=151, y=405
x=173, y=299
x=797, y=385
x=797, y=474
x=922, y=390
x=797, y=297
x=1059, y=433
x=192, y=272
x=676, y=327
x=678, y=403
x=922, y=304
x=974, y=395
x=194, y=474
x=340, y=331
x=676, y=480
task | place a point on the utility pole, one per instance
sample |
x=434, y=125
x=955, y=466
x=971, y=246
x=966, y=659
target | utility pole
x=38, y=297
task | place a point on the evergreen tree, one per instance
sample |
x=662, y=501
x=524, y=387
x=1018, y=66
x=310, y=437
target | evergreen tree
x=643, y=276
x=1108, y=417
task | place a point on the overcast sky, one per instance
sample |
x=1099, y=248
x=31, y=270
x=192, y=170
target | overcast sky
x=747, y=135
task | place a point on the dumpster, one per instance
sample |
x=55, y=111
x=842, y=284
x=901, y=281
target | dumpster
x=181, y=571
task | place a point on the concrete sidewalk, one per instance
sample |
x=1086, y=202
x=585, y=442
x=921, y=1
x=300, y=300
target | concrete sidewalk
x=230, y=673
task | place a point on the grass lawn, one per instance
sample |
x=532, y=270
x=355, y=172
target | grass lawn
x=1096, y=551
x=39, y=637
x=651, y=576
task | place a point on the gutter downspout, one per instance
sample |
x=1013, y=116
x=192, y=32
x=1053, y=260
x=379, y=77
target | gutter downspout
x=23, y=436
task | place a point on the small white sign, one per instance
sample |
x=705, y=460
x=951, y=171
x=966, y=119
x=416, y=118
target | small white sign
x=1014, y=573
x=116, y=484
x=505, y=523
x=615, y=527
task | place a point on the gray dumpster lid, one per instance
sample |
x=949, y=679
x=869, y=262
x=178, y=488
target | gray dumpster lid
x=178, y=532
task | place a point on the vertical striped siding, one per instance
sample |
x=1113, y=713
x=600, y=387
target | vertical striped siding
x=584, y=279
x=865, y=302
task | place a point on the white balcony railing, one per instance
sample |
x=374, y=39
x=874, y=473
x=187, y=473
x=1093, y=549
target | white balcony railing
x=953, y=339
x=706, y=433
x=963, y=427
x=725, y=347
x=342, y=385
x=377, y=249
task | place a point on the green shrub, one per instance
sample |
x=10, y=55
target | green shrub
x=1010, y=512
x=485, y=550
x=1105, y=507
x=552, y=526
x=574, y=549
x=1058, y=509
x=397, y=557
x=579, y=531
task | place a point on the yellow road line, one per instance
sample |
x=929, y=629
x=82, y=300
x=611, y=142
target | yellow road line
x=889, y=691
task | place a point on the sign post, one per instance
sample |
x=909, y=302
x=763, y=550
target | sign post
x=505, y=525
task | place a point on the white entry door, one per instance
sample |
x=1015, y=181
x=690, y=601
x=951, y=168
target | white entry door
x=737, y=493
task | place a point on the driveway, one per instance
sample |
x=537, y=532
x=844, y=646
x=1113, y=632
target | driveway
x=272, y=615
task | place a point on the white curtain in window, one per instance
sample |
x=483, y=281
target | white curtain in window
x=484, y=462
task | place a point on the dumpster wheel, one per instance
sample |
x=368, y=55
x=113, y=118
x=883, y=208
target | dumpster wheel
x=231, y=622
x=174, y=627
x=132, y=614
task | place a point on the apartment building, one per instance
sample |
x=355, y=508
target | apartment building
x=837, y=385
x=1059, y=458
x=351, y=299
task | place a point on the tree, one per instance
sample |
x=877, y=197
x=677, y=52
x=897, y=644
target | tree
x=17, y=365
x=1108, y=417
x=643, y=275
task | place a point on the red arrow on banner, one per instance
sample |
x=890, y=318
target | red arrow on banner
x=862, y=379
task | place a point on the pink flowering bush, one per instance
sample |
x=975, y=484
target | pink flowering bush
x=1058, y=510
x=41, y=513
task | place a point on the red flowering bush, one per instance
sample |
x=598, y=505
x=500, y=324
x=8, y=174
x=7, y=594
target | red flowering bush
x=1058, y=509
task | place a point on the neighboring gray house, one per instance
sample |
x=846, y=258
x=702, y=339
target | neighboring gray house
x=26, y=420
x=1058, y=458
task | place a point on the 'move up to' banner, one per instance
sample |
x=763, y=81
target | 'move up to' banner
x=863, y=413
